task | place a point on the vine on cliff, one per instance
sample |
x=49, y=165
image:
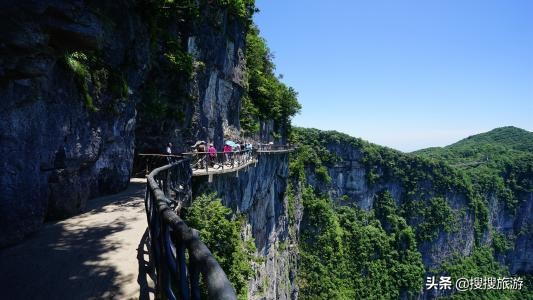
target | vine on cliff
x=93, y=77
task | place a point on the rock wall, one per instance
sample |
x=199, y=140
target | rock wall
x=67, y=134
x=56, y=150
x=520, y=227
x=66, y=139
x=259, y=192
x=220, y=84
x=206, y=105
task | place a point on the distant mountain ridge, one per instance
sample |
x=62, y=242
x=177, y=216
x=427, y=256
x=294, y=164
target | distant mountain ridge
x=499, y=143
x=508, y=136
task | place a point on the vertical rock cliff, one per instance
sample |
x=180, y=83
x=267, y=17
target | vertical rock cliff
x=86, y=84
x=194, y=88
x=69, y=73
x=518, y=226
x=349, y=184
x=260, y=193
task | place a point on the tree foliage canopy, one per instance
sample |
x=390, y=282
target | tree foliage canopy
x=220, y=230
x=266, y=97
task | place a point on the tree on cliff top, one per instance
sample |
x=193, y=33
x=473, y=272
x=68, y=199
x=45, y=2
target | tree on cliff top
x=266, y=98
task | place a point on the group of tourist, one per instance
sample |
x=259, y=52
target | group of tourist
x=205, y=154
x=232, y=153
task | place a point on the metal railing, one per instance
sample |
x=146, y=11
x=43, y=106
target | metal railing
x=274, y=148
x=220, y=161
x=146, y=162
x=178, y=275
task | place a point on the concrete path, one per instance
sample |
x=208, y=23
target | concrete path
x=100, y=254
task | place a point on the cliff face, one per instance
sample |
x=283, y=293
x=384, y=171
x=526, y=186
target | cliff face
x=349, y=178
x=85, y=84
x=202, y=100
x=64, y=139
x=519, y=257
x=350, y=185
x=259, y=192
x=219, y=85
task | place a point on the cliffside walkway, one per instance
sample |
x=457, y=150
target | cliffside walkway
x=206, y=164
x=103, y=252
x=228, y=168
x=203, y=164
x=99, y=254
x=275, y=149
x=169, y=188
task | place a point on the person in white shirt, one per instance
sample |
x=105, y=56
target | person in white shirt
x=169, y=152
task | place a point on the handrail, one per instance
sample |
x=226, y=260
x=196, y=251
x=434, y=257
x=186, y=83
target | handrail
x=205, y=163
x=273, y=148
x=160, y=155
x=170, y=237
x=219, y=161
x=149, y=161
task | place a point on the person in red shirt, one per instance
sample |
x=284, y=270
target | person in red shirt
x=227, y=153
x=212, y=155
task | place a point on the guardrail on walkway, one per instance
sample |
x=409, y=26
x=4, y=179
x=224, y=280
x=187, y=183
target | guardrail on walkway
x=274, y=148
x=205, y=163
x=218, y=162
x=170, y=238
x=150, y=161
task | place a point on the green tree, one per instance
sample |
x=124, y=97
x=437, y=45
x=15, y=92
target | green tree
x=266, y=97
x=220, y=230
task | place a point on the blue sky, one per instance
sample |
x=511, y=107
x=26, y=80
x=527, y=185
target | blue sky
x=405, y=74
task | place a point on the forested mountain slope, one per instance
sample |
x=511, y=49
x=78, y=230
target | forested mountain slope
x=377, y=221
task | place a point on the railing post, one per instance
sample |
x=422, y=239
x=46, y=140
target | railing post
x=170, y=237
x=155, y=242
x=183, y=274
x=207, y=161
x=166, y=278
x=194, y=274
x=167, y=184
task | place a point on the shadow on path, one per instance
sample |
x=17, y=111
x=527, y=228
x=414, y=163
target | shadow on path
x=89, y=256
x=146, y=271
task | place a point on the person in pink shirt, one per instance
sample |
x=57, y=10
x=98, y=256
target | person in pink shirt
x=227, y=153
x=212, y=155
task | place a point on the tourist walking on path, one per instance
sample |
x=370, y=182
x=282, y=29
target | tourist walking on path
x=212, y=155
x=227, y=153
x=168, y=151
x=248, y=150
x=237, y=150
x=202, y=154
